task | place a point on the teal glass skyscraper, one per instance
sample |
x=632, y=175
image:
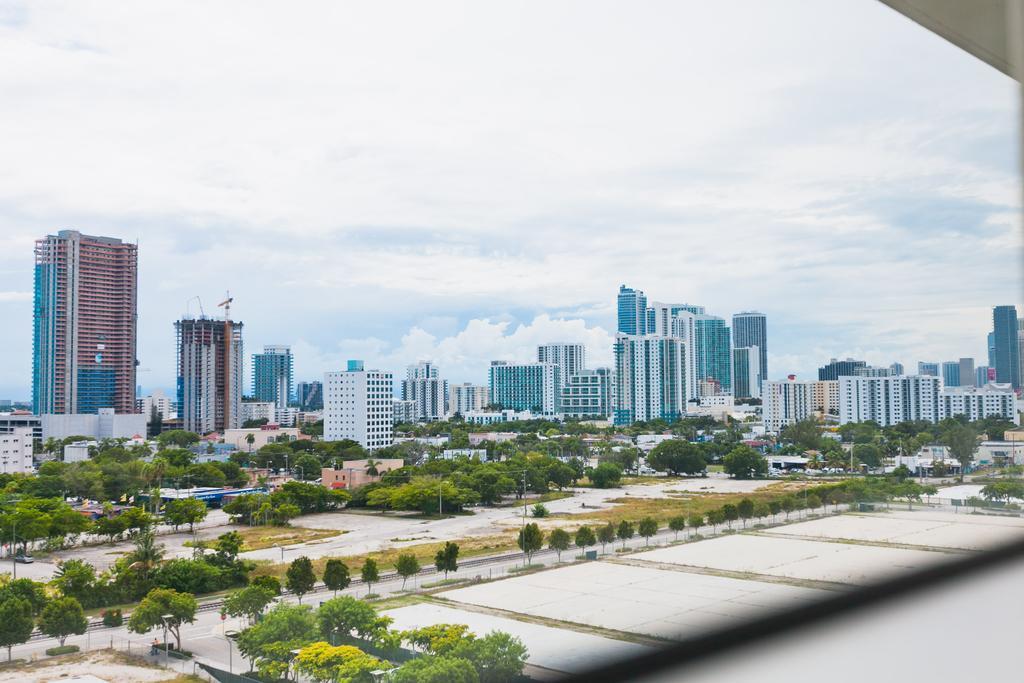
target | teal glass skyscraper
x=750, y=328
x=714, y=351
x=632, y=311
x=1006, y=352
x=272, y=375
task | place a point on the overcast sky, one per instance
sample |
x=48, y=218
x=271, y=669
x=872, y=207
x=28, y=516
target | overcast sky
x=462, y=181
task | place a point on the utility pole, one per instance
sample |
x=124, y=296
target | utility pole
x=523, y=532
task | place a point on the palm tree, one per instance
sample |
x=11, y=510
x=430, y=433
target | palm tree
x=371, y=468
x=250, y=439
x=147, y=554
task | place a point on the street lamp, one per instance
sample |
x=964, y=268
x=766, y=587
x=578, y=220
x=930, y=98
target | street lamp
x=165, y=618
x=230, y=636
x=277, y=545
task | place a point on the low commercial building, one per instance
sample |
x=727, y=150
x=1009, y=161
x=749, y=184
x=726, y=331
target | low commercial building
x=261, y=436
x=16, y=451
x=104, y=424
x=452, y=453
x=499, y=416
x=477, y=438
x=355, y=473
x=78, y=451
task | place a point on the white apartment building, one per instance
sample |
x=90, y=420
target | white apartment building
x=428, y=392
x=403, y=412
x=464, y=398
x=679, y=321
x=889, y=400
x=358, y=405
x=164, y=404
x=825, y=396
x=786, y=402
x=977, y=403
x=256, y=410
x=650, y=378
x=570, y=358
x=16, y=451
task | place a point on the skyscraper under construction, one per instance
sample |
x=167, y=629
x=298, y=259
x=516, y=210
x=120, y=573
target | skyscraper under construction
x=209, y=374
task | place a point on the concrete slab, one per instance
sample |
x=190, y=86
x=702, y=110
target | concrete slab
x=562, y=650
x=642, y=600
x=844, y=563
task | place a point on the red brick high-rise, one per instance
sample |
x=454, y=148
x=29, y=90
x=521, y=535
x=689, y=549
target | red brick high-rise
x=84, y=345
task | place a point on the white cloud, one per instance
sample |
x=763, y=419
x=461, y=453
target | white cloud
x=409, y=185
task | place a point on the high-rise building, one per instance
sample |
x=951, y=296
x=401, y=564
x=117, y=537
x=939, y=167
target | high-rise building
x=632, y=311
x=425, y=388
x=984, y=375
x=977, y=403
x=713, y=351
x=991, y=344
x=746, y=373
x=838, y=368
x=750, y=328
x=1006, y=345
x=272, y=375
x=786, y=402
x=536, y=387
x=358, y=405
x=164, y=405
x=927, y=369
x=570, y=358
x=310, y=395
x=1020, y=349
x=889, y=400
x=465, y=398
x=84, y=331
x=825, y=396
x=679, y=320
x=896, y=368
x=951, y=373
x=209, y=374
x=966, y=373
x=588, y=394
x=650, y=378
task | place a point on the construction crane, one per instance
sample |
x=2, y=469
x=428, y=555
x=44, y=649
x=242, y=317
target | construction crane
x=228, y=369
x=227, y=306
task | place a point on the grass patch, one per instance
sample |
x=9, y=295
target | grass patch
x=550, y=496
x=663, y=509
x=524, y=568
x=646, y=480
x=424, y=552
x=444, y=583
x=262, y=537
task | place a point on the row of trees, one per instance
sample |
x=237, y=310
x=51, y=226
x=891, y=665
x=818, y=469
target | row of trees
x=330, y=644
x=144, y=568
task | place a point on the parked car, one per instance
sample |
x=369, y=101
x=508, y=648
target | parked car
x=24, y=559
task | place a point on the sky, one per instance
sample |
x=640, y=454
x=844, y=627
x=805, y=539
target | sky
x=461, y=181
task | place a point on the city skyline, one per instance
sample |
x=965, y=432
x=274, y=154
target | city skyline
x=835, y=197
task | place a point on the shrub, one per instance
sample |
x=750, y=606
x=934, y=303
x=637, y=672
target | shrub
x=113, y=617
x=61, y=650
